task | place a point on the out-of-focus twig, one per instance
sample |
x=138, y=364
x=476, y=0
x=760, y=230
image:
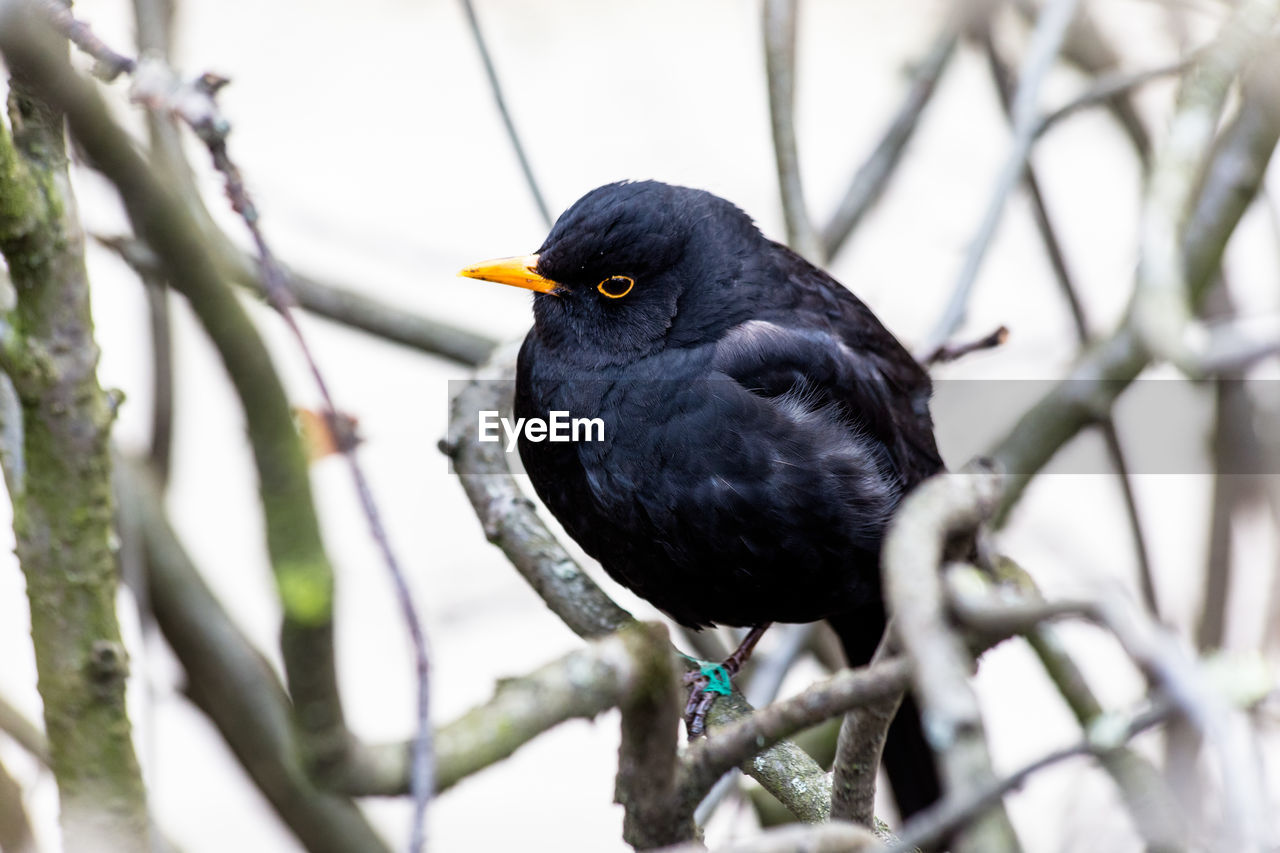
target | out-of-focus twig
x=1230, y=182
x=15, y=827
x=231, y=682
x=873, y=176
x=1051, y=29
x=25, y=733
x=1168, y=666
x=779, y=25
x=1107, y=88
x=933, y=826
x=1088, y=48
x=333, y=302
x=1062, y=274
x=1162, y=313
x=495, y=86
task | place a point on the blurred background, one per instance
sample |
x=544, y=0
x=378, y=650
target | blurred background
x=370, y=139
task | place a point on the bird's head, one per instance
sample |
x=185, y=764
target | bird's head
x=632, y=268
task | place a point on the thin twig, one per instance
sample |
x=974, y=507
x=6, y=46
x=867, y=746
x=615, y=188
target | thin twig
x=1231, y=181
x=1106, y=88
x=331, y=301
x=1002, y=76
x=1051, y=29
x=779, y=24
x=495, y=86
x=25, y=733
x=110, y=64
x=15, y=826
x=950, y=352
x=230, y=680
x=930, y=828
x=872, y=177
x=1088, y=48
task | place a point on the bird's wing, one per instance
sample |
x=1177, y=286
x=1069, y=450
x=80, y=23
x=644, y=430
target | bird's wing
x=812, y=367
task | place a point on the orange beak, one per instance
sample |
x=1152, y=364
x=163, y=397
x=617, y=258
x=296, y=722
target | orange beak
x=517, y=272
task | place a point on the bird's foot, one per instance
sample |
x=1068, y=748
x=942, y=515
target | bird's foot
x=714, y=679
x=705, y=684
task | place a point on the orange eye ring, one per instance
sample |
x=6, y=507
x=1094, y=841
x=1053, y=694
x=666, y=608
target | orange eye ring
x=617, y=281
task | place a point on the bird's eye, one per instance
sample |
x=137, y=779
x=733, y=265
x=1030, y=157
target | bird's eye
x=616, y=286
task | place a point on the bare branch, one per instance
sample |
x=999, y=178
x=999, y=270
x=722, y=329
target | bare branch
x=941, y=507
x=231, y=682
x=858, y=752
x=872, y=177
x=495, y=86
x=509, y=518
x=15, y=826
x=25, y=733
x=1162, y=307
x=647, y=765
x=1087, y=47
x=62, y=515
x=303, y=574
x=779, y=25
x=1107, y=87
x=951, y=352
x=833, y=837
x=731, y=745
x=1051, y=29
x=932, y=827
x=1231, y=181
x=332, y=302
x=1058, y=262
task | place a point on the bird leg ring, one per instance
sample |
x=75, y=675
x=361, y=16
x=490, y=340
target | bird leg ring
x=713, y=680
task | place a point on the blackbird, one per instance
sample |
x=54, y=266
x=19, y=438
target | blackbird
x=760, y=424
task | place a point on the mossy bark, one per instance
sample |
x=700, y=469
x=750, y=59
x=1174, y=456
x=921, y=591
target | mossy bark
x=61, y=489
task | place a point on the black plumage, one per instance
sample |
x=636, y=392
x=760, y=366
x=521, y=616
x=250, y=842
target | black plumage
x=760, y=424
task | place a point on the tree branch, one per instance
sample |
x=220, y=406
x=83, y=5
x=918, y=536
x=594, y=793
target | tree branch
x=1231, y=180
x=833, y=837
x=510, y=520
x=1057, y=260
x=1163, y=302
x=62, y=505
x=942, y=507
x=232, y=683
x=872, y=177
x=732, y=744
x=25, y=733
x=1051, y=29
x=778, y=22
x=495, y=86
x=304, y=578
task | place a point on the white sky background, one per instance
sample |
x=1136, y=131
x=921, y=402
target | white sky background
x=368, y=136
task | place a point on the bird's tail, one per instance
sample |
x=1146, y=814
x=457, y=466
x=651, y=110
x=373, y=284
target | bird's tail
x=907, y=758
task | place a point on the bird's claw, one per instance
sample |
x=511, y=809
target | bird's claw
x=705, y=685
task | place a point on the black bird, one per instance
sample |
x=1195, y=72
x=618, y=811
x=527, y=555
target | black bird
x=760, y=424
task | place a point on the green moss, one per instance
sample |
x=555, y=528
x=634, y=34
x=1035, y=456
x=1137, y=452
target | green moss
x=306, y=592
